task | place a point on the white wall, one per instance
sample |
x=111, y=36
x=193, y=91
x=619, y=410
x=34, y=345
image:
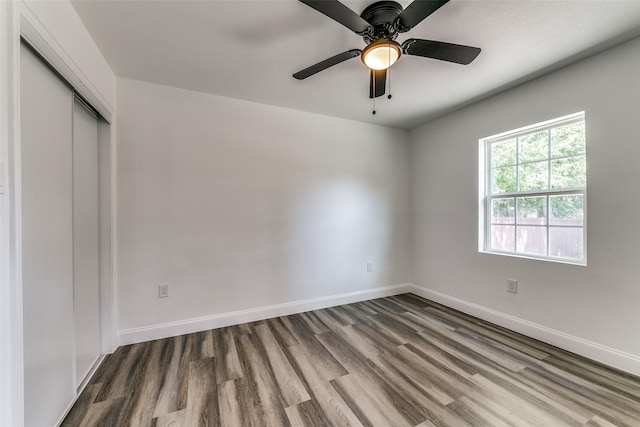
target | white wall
x=594, y=309
x=240, y=205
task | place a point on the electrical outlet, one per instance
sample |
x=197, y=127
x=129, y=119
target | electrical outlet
x=512, y=286
x=369, y=266
x=163, y=291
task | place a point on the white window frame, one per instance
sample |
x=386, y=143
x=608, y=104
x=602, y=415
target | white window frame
x=485, y=196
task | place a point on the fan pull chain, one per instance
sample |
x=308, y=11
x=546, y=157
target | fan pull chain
x=389, y=72
x=373, y=78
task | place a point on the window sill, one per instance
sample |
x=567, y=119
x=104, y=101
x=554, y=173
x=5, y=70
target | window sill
x=579, y=263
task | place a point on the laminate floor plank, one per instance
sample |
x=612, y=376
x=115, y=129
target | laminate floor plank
x=379, y=392
x=596, y=421
x=206, y=348
x=172, y=419
x=202, y=397
x=396, y=331
x=512, y=385
x=379, y=335
x=442, y=358
x=291, y=388
x=356, y=312
x=83, y=405
x=282, y=332
x=330, y=320
x=625, y=413
x=421, y=322
x=473, y=348
x=241, y=329
x=300, y=329
x=333, y=406
x=596, y=393
x=565, y=400
x=104, y=372
x=506, y=379
x=328, y=367
x=315, y=324
x=597, y=375
x=389, y=305
x=396, y=361
x=121, y=372
x=397, y=398
x=267, y=406
x=140, y=406
x=411, y=299
x=426, y=404
x=347, y=348
x=474, y=414
x=234, y=409
x=359, y=345
x=510, y=342
x=225, y=351
x=359, y=309
x=173, y=376
x=343, y=316
x=440, y=387
x=596, y=372
x=516, y=404
x=103, y=413
x=307, y=414
x=363, y=401
x=449, y=317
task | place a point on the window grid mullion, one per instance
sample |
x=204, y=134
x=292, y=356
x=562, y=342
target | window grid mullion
x=534, y=193
x=515, y=223
x=548, y=213
x=568, y=156
x=489, y=190
x=548, y=159
x=548, y=199
x=515, y=199
x=517, y=164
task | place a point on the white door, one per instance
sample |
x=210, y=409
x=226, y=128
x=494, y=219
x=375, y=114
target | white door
x=85, y=240
x=60, y=241
x=47, y=241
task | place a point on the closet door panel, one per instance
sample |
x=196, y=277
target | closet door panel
x=85, y=240
x=47, y=241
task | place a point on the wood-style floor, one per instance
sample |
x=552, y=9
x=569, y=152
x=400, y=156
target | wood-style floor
x=398, y=361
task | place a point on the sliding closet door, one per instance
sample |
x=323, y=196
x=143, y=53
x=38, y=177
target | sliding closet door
x=47, y=241
x=85, y=239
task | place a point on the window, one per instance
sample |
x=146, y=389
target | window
x=533, y=191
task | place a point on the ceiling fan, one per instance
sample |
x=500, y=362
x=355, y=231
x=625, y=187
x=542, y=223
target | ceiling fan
x=379, y=25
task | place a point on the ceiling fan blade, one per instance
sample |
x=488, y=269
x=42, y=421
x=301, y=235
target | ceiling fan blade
x=377, y=83
x=440, y=50
x=340, y=13
x=329, y=62
x=417, y=11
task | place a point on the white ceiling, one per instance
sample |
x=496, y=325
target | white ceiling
x=249, y=50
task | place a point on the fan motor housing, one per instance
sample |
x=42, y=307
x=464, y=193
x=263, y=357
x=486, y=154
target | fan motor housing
x=382, y=16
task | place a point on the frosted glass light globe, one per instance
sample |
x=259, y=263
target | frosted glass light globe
x=381, y=55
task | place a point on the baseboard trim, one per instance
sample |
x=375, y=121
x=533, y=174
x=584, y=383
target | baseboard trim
x=187, y=326
x=592, y=350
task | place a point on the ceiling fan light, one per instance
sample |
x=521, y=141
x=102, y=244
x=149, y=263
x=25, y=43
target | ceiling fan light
x=381, y=55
